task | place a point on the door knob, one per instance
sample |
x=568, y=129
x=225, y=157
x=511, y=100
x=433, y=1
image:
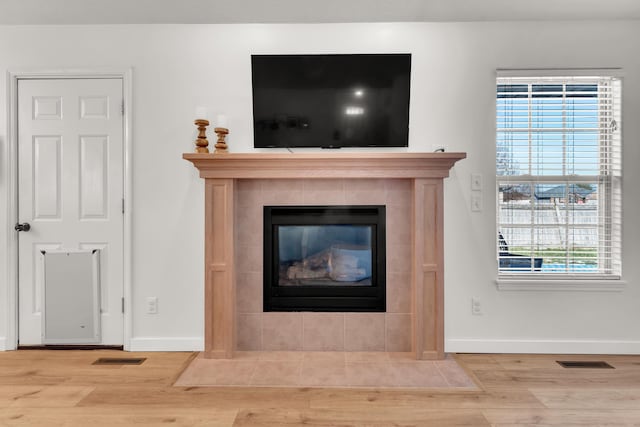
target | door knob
x=22, y=227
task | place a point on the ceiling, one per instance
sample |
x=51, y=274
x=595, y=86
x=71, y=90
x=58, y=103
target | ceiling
x=62, y=12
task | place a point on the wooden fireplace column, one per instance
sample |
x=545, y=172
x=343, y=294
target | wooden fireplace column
x=426, y=170
x=427, y=283
x=219, y=282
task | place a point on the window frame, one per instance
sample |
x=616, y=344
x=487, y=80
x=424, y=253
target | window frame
x=538, y=280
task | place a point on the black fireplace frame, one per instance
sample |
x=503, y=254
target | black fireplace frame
x=325, y=298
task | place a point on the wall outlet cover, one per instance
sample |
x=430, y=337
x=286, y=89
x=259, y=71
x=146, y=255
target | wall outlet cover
x=152, y=305
x=476, y=201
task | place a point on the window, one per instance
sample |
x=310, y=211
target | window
x=558, y=170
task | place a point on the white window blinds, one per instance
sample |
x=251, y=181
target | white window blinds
x=558, y=169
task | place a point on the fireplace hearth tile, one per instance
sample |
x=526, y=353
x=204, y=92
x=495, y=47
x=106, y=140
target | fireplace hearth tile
x=323, y=373
x=324, y=356
x=399, y=356
x=453, y=373
x=370, y=374
x=243, y=355
x=267, y=373
x=366, y=356
x=234, y=374
x=325, y=369
x=282, y=356
x=202, y=372
x=425, y=374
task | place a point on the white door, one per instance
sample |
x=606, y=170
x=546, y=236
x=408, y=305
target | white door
x=70, y=186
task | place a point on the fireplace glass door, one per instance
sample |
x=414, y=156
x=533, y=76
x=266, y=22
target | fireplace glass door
x=324, y=258
x=324, y=255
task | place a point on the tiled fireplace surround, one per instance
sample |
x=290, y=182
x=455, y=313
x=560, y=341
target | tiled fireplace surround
x=312, y=331
x=237, y=186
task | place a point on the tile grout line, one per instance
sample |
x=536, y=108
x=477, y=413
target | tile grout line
x=253, y=373
x=344, y=333
x=262, y=331
x=386, y=347
x=302, y=332
x=299, y=381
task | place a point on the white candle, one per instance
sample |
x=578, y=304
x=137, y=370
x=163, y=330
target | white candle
x=221, y=121
x=201, y=113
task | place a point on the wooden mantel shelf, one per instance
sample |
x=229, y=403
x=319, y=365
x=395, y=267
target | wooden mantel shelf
x=324, y=165
x=426, y=172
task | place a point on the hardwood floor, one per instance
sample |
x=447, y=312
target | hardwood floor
x=63, y=388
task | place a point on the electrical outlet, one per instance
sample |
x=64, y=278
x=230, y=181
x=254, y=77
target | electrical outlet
x=476, y=201
x=152, y=305
x=476, y=181
x=476, y=308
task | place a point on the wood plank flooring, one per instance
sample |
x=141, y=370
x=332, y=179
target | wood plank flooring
x=63, y=388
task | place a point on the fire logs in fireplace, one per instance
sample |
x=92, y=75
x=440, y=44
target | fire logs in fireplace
x=340, y=262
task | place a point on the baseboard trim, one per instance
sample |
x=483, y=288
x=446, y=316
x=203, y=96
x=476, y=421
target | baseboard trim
x=454, y=345
x=166, y=344
x=3, y=344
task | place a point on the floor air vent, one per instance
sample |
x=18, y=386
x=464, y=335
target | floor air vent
x=587, y=365
x=119, y=361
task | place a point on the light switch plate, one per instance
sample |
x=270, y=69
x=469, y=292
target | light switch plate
x=476, y=181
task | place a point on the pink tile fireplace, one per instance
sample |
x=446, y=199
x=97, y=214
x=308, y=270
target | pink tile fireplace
x=238, y=186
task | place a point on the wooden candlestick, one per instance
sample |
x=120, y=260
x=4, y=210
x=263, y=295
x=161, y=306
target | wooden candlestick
x=221, y=145
x=201, y=142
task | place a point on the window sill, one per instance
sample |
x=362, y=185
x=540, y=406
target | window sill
x=563, y=285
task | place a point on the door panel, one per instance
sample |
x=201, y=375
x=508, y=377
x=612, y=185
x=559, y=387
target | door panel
x=47, y=171
x=94, y=183
x=70, y=184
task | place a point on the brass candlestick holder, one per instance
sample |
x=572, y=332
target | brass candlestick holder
x=221, y=145
x=201, y=142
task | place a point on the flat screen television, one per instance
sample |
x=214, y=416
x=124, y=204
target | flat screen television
x=331, y=101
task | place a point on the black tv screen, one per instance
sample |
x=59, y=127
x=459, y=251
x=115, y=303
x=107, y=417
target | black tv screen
x=331, y=101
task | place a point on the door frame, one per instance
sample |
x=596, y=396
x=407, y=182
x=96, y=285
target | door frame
x=126, y=75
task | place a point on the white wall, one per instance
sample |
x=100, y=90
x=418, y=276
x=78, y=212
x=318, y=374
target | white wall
x=178, y=67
